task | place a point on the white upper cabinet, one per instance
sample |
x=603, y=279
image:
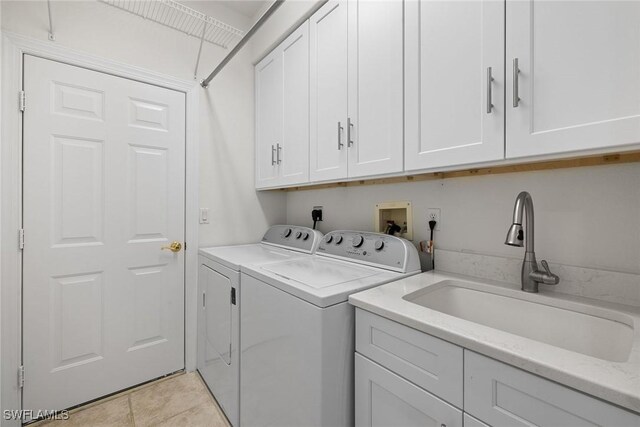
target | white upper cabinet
x=294, y=155
x=268, y=81
x=579, y=76
x=371, y=88
x=282, y=113
x=454, y=83
x=328, y=67
x=375, y=125
x=356, y=89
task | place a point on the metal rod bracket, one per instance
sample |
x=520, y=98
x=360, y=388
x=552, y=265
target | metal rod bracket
x=51, y=36
x=274, y=6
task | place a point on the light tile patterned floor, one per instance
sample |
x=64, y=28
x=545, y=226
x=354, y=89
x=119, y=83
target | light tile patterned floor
x=181, y=400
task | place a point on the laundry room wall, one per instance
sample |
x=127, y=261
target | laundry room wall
x=238, y=214
x=585, y=217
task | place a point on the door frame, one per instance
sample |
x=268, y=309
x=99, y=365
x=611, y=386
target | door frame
x=14, y=47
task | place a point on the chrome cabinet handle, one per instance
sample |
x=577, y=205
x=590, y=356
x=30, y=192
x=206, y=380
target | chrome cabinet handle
x=273, y=155
x=279, y=150
x=349, y=128
x=340, y=129
x=516, y=72
x=489, y=92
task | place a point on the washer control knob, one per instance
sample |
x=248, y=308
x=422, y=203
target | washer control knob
x=357, y=241
x=338, y=239
x=379, y=245
x=298, y=234
x=287, y=232
x=305, y=236
x=329, y=238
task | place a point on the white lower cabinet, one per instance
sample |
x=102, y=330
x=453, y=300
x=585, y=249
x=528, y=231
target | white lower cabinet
x=386, y=399
x=502, y=395
x=393, y=363
x=429, y=362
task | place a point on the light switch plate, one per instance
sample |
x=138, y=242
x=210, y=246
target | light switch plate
x=204, y=215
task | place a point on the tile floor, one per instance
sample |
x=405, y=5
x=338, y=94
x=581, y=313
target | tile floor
x=181, y=400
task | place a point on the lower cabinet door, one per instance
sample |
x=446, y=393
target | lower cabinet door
x=385, y=399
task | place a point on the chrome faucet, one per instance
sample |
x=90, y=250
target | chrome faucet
x=531, y=275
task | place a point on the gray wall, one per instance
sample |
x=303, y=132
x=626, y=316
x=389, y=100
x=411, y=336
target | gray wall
x=588, y=217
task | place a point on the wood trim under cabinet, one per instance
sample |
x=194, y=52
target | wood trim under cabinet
x=598, y=160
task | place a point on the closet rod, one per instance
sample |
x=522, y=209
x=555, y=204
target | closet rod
x=274, y=6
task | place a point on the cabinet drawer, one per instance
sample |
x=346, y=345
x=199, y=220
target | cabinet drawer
x=500, y=394
x=429, y=362
x=385, y=399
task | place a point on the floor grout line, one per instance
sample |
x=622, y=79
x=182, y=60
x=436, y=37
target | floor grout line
x=133, y=418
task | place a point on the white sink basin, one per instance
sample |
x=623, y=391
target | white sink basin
x=589, y=330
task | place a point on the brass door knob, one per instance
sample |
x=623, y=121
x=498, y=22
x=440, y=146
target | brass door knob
x=173, y=247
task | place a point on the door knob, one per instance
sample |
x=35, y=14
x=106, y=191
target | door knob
x=173, y=247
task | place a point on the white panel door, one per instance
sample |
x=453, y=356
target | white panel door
x=294, y=155
x=449, y=48
x=268, y=81
x=385, y=399
x=103, y=305
x=579, y=75
x=328, y=108
x=375, y=128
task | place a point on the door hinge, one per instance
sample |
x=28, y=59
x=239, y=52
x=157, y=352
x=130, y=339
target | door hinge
x=21, y=239
x=233, y=296
x=22, y=100
x=20, y=376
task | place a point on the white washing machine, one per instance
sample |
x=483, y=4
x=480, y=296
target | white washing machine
x=297, y=342
x=220, y=289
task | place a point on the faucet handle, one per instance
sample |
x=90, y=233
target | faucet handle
x=548, y=278
x=545, y=265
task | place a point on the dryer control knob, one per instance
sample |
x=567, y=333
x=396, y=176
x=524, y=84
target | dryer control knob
x=287, y=232
x=329, y=238
x=379, y=245
x=298, y=234
x=305, y=236
x=338, y=239
x=357, y=241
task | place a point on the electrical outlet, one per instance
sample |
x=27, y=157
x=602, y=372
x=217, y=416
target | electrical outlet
x=204, y=215
x=316, y=213
x=433, y=214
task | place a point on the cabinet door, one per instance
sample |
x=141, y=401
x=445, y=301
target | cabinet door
x=579, y=75
x=293, y=157
x=328, y=115
x=385, y=399
x=268, y=76
x=449, y=48
x=375, y=128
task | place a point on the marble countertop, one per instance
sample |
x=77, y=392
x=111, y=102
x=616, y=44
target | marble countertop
x=615, y=382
